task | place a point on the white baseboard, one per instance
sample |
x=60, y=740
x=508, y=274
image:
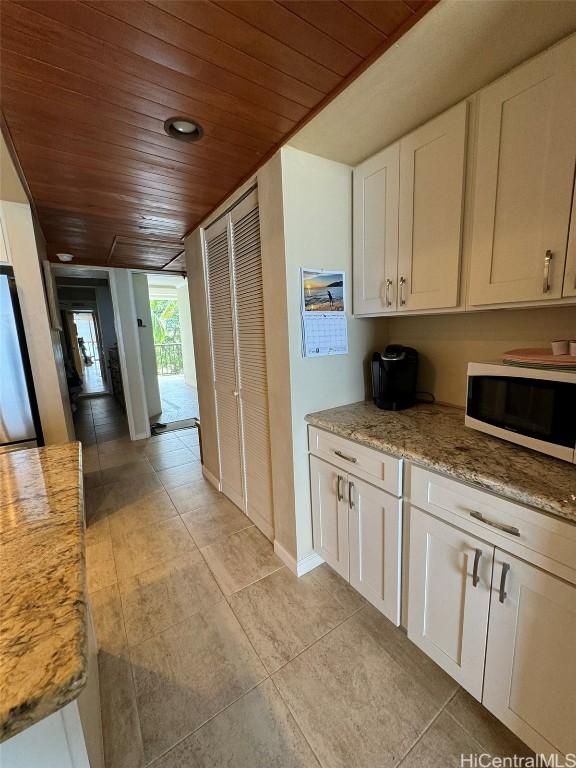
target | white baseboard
x=141, y=436
x=299, y=567
x=211, y=478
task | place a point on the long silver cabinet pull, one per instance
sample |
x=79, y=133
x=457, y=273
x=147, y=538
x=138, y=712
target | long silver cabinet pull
x=511, y=529
x=388, y=284
x=502, y=594
x=402, y=284
x=475, y=577
x=547, y=260
x=346, y=458
x=339, y=488
x=350, y=494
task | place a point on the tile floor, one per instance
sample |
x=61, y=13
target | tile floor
x=179, y=400
x=213, y=654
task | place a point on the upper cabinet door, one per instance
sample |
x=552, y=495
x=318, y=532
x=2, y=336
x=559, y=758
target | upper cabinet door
x=530, y=679
x=376, y=232
x=524, y=175
x=432, y=164
x=570, y=274
x=449, y=597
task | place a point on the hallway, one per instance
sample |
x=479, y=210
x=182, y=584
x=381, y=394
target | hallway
x=213, y=654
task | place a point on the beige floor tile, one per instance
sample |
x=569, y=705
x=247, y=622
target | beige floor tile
x=120, y=723
x=282, y=615
x=176, y=477
x=117, y=444
x=92, y=479
x=165, y=595
x=257, y=731
x=492, y=735
x=154, y=508
x=125, y=455
x=97, y=531
x=355, y=703
x=190, y=672
x=442, y=746
x=143, y=548
x=90, y=459
x=212, y=522
x=168, y=459
x=241, y=559
x=111, y=497
x=100, y=566
x=124, y=473
x=153, y=450
x=323, y=576
x=109, y=621
x=193, y=495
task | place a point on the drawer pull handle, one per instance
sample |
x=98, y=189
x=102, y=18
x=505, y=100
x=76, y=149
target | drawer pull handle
x=511, y=529
x=350, y=494
x=346, y=458
x=339, y=488
x=502, y=591
x=475, y=577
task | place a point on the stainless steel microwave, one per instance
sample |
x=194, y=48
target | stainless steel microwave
x=532, y=407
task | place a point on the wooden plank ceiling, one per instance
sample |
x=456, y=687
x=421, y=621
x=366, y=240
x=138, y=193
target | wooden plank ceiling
x=86, y=88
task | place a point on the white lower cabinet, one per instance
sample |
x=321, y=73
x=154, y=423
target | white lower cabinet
x=330, y=514
x=530, y=679
x=357, y=531
x=375, y=533
x=449, y=597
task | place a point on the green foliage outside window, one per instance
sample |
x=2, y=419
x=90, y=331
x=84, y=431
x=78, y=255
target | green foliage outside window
x=165, y=321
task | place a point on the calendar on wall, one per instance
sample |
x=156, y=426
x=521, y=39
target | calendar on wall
x=324, y=322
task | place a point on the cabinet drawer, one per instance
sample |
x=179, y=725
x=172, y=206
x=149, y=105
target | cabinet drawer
x=530, y=534
x=377, y=468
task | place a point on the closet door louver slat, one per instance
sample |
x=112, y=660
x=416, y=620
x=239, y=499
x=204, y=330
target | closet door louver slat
x=249, y=307
x=219, y=287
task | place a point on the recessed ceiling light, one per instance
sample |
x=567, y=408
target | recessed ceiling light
x=183, y=128
x=65, y=256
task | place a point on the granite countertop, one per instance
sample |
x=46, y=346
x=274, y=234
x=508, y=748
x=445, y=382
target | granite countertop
x=42, y=584
x=434, y=436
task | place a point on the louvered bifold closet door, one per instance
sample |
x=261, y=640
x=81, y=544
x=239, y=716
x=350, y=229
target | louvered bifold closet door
x=223, y=342
x=247, y=268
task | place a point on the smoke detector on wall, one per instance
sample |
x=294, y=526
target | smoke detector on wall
x=65, y=256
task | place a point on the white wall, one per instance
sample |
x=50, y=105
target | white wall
x=147, y=352
x=188, y=360
x=44, y=345
x=317, y=200
x=122, y=290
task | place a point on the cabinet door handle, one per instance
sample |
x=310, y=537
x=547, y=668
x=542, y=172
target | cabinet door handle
x=346, y=458
x=475, y=577
x=502, y=594
x=388, y=284
x=402, y=284
x=547, y=260
x=339, y=488
x=350, y=494
x=511, y=529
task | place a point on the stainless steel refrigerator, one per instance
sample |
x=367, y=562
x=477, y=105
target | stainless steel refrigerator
x=19, y=419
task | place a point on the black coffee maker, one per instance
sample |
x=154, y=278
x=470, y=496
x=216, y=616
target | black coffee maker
x=394, y=375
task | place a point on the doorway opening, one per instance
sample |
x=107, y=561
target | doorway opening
x=90, y=353
x=173, y=352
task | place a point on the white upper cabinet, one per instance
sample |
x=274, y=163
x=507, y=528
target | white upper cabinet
x=408, y=219
x=570, y=274
x=376, y=188
x=526, y=149
x=432, y=164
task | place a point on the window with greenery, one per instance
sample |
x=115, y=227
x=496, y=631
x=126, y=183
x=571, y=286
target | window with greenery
x=167, y=338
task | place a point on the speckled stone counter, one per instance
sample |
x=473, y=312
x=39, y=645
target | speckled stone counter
x=435, y=437
x=42, y=584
